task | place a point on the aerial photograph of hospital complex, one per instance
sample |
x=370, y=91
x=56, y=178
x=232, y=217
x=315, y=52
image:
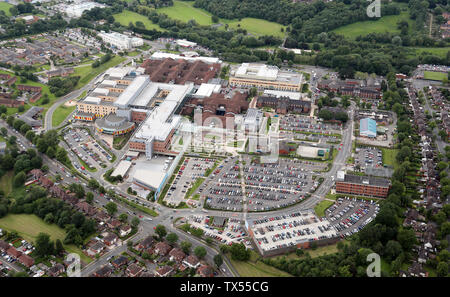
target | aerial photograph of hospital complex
x=224, y=139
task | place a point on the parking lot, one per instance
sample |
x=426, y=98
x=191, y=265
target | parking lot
x=224, y=190
x=233, y=231
x=277, y=232
x=370, y=161
x=301, y=123
x=349, y=216
x=189, y=172
x=318, y=138
x=270, y=186
x=267, y=185
x=87, y=149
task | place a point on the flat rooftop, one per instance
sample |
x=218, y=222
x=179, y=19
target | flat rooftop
x=271, y=233
x=366, y=180
x=161, y=121
x=149, y=173
x=266, y=73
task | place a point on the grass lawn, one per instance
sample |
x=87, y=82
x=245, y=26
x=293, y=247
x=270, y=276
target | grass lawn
x=194, y=187
x=320, y=251
x=6, y=182
x=5, y=7
x=438, y=51
x=184, y=11
x=381, y=25
x=434, y=75
x=259, y=27
x=61, y=113
x=126, y=16
x=255, y=268
x=322, y=206
x=29, y=226
x=87, y=73
x=133, y=54
x=389, y=157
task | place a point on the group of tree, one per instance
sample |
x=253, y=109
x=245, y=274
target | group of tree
x=102, y=60
x=46, y=143
x=52, y=211
x=61, y=86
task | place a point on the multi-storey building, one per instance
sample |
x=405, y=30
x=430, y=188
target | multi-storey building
x=362, y=185
x=265, y=77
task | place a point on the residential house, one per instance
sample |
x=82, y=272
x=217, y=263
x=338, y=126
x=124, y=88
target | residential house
x=105, y=271
x=119, y=262
x=13, y=252
x=4, y=246
x=110, y=239
x=134, y=270
x=164, y=271
x=205, y=271
x=96, y=248
x=162, y=248
x=125, y=230
x=86, y=208
x=114, y=223
x=146, y=243
x=177, y=255
x=191, y=261
x=26, y=260
x=56, y=270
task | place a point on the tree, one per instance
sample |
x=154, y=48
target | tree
x=442, y=269
x=89, y=197
x=407, y=239
x=218, y=260
x=186, y=246
x=4, y=131
x=135, y=222
x=59, y=249
x=61, y=155
x=111, y=208
x=214, y=19
x=393, y=249
x=160, y=230
x=93, y=183
x=200, y=252
x=123, y=217
x=19, y=179
x=172, y=238
x=239, y=252
x=44, y=247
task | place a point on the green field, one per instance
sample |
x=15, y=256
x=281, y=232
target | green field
x=126, y=16
x=258, y=27
x=389, y=157
x=29, y=226
x=320, y=251
x=384, y=24
x=438, y=51
x=184, y=11
x=256, y=268
x=45, y=90
x=61, y=113
x=87, y=73
x=322, y=206
x=434, y=75
x=5, y=7
x=6, y=182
